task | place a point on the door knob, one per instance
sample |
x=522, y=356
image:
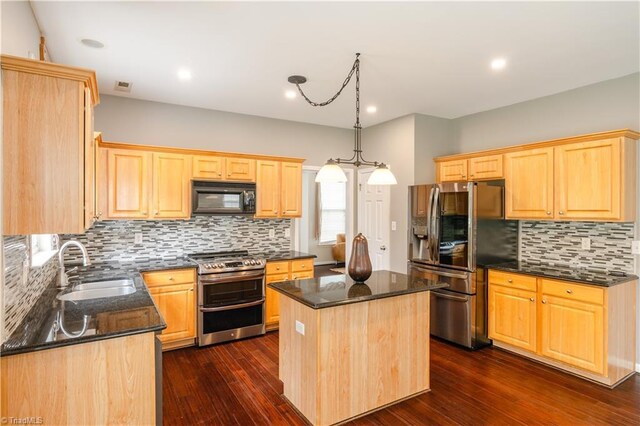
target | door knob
x=383, y=248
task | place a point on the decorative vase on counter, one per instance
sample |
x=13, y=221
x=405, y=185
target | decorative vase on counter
x=360, y=263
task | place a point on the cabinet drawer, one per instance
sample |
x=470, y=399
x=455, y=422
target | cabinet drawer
x=572, y=291
x=508, y=279
x=302, y=265
x=175, y=276
x=277, y=267
x=303, y=275
x=276, y=278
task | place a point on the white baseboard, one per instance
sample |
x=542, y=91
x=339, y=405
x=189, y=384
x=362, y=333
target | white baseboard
x=638, y=367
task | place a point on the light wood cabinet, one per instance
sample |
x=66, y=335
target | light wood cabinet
x=171, y=186
x=486, y=167
x=128, y=183
x=291, y=189
x=90, y=164
x=583, y=329
x=512, y=316
x=283, y=270
x=241, y=169
x=529, y=184
x=174, y=295
x=451, y=171
x=47, y=147
x=209, y=167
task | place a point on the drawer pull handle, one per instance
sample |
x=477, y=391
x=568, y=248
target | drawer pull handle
x=548, y=213
x=569, y=291
x=509, y=280
x=560, y=212
x=532, y=299
x=171, y=279
x=544, y=301
x=191, y=289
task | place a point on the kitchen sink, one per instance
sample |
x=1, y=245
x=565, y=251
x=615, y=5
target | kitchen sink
x=99, y=289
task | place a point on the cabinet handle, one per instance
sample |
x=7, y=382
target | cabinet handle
x=544, y=301
x=155, y=213
x=277, y=268
x=560, y=212
x=219, y=173
x=191, y=289
x=144, y=213
x=229, y=174
x=532, y=299
x=171, y=278
x=548, y=213
x=464, y=176
x=569, y=291
x=509, y=280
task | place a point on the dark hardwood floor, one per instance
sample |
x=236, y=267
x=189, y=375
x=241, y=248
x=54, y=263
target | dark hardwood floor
x=237, y=384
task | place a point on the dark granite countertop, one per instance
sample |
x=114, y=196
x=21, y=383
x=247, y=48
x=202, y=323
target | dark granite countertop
x=286, y=255
x=335, y=290
x=560, y=272
x=37, y=330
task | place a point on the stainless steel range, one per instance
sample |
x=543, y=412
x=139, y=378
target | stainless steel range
x=231, y=296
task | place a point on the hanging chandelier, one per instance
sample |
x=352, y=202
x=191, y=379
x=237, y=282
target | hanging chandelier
x=331, y=171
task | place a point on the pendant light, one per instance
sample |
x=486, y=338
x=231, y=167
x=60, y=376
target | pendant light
x=331, y=171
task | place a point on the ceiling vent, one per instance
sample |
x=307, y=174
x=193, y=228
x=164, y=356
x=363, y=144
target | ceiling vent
x=123, y=86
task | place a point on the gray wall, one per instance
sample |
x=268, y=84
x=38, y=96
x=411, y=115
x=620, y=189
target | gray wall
x=608, y=105
x=153, y=123
x=20, y=34
x=433, y=138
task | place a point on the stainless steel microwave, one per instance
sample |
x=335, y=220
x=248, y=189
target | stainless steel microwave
x=223, y=198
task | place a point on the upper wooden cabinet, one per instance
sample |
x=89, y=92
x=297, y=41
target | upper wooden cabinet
x=171, y=186
x=47, y=148
x=209, y=167
x=487, y=167
x=451, y=171
x=242, y=169
x=279, y=189
x=529, y=184
x=128, y=175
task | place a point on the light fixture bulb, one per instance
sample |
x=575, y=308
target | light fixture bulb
x=331, y=172
x=498, y=64
x=382, y=176
x=184, y=74
x=290, y=94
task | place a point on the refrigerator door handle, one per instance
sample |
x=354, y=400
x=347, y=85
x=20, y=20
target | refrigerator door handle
x=433, y=227
x=429, y=219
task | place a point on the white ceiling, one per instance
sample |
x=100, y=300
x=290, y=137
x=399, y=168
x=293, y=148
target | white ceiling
x=430, y=58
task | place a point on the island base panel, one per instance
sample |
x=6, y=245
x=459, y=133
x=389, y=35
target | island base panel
x=354, y=358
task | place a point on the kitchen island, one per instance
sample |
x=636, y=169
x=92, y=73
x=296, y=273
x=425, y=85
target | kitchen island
x=347, y=349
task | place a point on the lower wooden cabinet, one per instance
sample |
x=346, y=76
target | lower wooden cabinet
x=584, y=329
x=284, y=270
x=174, y=294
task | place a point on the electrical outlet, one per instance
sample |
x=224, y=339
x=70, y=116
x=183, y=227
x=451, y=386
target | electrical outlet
x=287, y=233
x=394, y=225
x=586, y=243
x=635, y=247
x=299, y=327
x=272, y=233
x=137, y=238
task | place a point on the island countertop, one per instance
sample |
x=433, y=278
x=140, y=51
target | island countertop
x=335, y=290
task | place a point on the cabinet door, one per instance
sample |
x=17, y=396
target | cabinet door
x=529, y=184
x=90, y=163
x=209, y=167
x=588, y=178
x=453, y=170
x=512, y=316
x=572, y=332
x=128, y=183
x=487, y=167
x=268, y=189
x=291, y=189
x=242, y=169
x=171, y=186
x=273, y=300
x=176, y=304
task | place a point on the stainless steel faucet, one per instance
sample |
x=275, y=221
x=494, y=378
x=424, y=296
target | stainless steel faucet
x=62, y=279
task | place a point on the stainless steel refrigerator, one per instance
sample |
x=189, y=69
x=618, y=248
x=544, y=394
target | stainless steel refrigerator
x=456, y=229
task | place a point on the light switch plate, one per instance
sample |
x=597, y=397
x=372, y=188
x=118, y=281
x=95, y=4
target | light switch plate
x=272, y=233
x=137, y=238
x=586, y=243
x=287, y=233
x=635, y=247
x=299, y=327
x=394, y=225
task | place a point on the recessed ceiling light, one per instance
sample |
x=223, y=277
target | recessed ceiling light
x=184, y=74
x=290, y=94
x=92, y=43
x=371, y=109
x=498, y=64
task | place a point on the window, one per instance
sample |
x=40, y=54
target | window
x=43, y=248
x=333, y=214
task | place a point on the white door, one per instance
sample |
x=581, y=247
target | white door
x=373, y=219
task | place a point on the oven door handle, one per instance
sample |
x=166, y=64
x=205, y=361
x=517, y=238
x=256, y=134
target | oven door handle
x=205, y=281
x=228, y=308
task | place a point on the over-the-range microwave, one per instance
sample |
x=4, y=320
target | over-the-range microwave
x=223, y=198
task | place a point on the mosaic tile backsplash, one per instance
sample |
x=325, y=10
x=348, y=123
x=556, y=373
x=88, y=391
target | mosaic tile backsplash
x=114, y=240
x=23, y=285
x=560, y=243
